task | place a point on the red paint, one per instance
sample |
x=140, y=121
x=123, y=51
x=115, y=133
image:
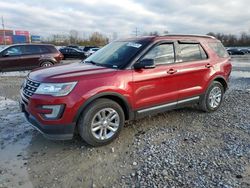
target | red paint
x=141, y=88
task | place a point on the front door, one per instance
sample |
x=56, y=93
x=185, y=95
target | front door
x=155, y=88
x=11, y=58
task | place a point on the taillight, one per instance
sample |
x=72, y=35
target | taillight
x=61, y=56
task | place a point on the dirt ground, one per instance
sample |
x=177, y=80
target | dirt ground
x=27, y=159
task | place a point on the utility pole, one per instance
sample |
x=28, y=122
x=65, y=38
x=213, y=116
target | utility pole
x=3, y=32
x=136, y=32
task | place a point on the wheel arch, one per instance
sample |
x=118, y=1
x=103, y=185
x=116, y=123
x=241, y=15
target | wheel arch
x=222, y=81
x=121, y=100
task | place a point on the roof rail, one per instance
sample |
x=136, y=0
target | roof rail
x=190, y=35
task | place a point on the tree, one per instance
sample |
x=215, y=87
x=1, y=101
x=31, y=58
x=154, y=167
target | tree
x=73, y=36
x=98, y=39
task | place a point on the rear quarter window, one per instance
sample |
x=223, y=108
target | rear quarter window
x=219, y=49
x=48, y=49
x=191, y=52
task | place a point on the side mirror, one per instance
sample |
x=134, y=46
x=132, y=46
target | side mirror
x=145, y=64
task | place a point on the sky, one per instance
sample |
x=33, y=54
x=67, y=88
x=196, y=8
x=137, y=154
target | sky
x=47, y=17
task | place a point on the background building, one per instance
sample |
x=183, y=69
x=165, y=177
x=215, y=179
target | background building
x=17, y=36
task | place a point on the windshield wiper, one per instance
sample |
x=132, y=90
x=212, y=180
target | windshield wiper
x=91, y=62
x=95, y=63
x=102, y=65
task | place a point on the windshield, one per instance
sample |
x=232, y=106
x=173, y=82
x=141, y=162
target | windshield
x=116, y=54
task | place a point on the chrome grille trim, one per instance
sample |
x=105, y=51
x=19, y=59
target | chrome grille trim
x=29, y=88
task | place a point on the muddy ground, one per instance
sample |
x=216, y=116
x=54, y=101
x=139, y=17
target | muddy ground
x=136, y=158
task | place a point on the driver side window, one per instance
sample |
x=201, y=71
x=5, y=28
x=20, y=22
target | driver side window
x=13, y=51
x=162, y=54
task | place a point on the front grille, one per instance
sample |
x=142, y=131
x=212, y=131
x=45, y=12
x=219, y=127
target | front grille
x=29, y=88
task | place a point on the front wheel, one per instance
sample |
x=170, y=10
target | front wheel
x=101, y=122
x=212, y=99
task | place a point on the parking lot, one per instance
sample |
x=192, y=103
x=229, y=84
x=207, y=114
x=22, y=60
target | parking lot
x=180, y=148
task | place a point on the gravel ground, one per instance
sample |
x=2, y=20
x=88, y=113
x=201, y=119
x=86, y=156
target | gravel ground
x=180, y=148
x=197, y=149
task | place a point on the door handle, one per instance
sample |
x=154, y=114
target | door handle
x=208, y=65
x=171, y=71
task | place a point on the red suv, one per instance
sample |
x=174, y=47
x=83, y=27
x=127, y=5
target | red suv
x=125, y=80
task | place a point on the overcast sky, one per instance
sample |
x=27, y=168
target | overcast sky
x=45, y=17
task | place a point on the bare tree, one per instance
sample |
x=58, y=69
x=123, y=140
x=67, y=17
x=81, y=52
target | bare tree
x=98, y=39
x=73, y=36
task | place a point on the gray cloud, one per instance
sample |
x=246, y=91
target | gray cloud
x=191, y=16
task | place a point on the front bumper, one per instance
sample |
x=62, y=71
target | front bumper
x=52, y=132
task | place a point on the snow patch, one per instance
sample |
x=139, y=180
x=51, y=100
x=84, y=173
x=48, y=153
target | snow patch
x=15, y=73
x=5, y=103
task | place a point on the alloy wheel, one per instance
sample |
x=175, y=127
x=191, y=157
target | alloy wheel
x=214, y=98
x=105, y=123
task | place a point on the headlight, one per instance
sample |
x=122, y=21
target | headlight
x=55, y=89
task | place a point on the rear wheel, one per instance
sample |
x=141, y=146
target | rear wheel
x=213, y=97
x=46, y=64
x=101, y=122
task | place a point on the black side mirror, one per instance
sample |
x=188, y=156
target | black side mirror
x=145, y=64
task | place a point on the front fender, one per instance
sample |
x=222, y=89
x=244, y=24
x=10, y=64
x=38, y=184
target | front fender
x=110, y=95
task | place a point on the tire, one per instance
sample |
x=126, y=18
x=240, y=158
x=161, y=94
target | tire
x=101, y=115
x=213, y=97
x=47, y=64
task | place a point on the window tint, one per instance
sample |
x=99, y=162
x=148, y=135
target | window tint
x=31, y=49
x=219, y=49
x=14, y=51
x=192, y=52
x=44, y=49
x=162, y=54
x=50, y=49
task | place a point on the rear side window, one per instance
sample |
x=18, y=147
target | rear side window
x=218, y=48
x=48, y=49
x=192, y=52
x=53, y=49
x=162, y=54
x=31, y=49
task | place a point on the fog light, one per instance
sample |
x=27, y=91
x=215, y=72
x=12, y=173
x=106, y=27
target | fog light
x=56, y=111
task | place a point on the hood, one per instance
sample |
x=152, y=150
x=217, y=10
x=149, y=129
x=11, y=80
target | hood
x=69, y=72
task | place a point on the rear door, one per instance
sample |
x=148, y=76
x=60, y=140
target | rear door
x=11, y=58
x=194, y=70
x=156, y=87
x=31, y=56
